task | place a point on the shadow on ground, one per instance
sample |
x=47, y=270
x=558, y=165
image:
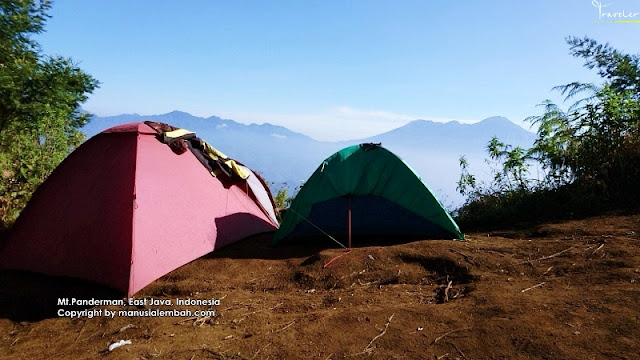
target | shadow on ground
x=259, y=246
x=28, y=296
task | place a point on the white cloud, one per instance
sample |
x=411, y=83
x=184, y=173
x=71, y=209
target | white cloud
x=372, y=114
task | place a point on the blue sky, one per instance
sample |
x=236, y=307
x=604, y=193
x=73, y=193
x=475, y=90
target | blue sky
x=331, y=69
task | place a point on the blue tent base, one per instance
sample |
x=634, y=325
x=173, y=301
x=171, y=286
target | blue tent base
x=372, y=217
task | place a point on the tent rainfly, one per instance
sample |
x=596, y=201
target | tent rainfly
x=124, y=209
x=369, y=191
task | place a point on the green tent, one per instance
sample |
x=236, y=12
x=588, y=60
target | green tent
x=370, y=191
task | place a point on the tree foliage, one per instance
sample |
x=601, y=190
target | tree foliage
x=593, y=143
x=592, y=149
x=39, y=101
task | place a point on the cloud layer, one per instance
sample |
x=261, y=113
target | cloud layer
x=336, y=123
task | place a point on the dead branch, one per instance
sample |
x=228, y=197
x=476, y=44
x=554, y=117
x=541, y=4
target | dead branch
x=367, y=348
x=533, y=287
x=449, y=333
x=446, y=291
x=460, y=293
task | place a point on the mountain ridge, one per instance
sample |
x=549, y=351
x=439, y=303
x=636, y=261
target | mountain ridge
x=284, y=156
x=180, y=116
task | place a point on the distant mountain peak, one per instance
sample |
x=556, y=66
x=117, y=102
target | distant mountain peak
x=431, y=147
x=495, y=120
x=422, y=122
x=417, y=123
x=178, y=112
x=499, y=122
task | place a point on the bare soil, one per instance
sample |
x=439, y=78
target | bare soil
x=568, y=290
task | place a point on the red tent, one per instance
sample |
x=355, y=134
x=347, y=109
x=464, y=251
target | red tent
x=123, y=210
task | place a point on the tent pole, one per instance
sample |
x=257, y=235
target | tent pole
x=349, y=221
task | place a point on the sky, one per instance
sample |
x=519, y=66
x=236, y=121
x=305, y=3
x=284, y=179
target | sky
x=332, y=69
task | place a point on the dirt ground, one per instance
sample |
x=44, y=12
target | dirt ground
x=557, y=291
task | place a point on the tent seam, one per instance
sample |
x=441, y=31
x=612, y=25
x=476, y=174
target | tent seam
x=134, y=206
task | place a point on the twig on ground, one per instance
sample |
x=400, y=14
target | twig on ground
x=368, y=283
x=261, y=310
x=448, y=333
x=465, y=256
x=187, y=319
x=446, y=291
x=216, y=354
x=251, y=313
x=599, y=247
x=546, y=257
x=534, y=286
x=124, y=328
x=258, y=351
x=546, y=272
x=81, y=330
x=201, y=321
x=459, y=351
x=368, y=347
x=287, y=326
x=460, y=293
x=233, y=307
x=590, y=247
x=554, y=255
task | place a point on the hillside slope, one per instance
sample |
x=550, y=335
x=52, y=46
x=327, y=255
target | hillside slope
x=557, y=291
